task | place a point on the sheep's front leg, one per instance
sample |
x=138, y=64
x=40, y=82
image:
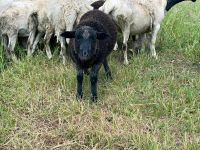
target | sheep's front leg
x=126, y=34
x=47, y=39
x=31, y=39
x=79, y=77
x=11, y=46
x=93, y=80
x=5, y=45
x=116, y=47
x=138, y=43
x=107, y=69
x=152, y=41
x=37, y=39
x=63, y=49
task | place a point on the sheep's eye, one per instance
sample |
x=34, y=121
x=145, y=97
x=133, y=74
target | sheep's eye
x=78, y=37
x=93, y=38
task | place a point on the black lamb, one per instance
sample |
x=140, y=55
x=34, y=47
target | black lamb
x=91, y=42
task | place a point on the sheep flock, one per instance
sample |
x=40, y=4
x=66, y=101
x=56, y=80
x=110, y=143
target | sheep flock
x=38, y=21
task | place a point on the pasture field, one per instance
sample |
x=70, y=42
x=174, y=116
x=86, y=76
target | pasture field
x=149, y=105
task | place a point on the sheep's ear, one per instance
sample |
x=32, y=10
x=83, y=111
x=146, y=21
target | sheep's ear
x=68, y=34
x=102, y=35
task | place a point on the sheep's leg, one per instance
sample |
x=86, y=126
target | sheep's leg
x=11, y=46
x=153, y=40
x=31, y=39
x=79, y=77
x=138, y=43
x=46, y=41
x=126, y=34
x=37, y=39
x=5, y=44
x=93, y=81
x=107, y=69
x=63, y=49
x=116, y=47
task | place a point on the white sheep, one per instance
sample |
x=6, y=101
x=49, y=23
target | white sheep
x=136, y=17
x=55, y=17
x=14, y=23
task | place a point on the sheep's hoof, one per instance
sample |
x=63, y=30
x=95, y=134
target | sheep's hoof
x=87, y=72
x=64, y=61
x=79, y=97
x=49, y=55
x=94, y=99
x=155, y=57
x=14, y=58
x=109, y=76
x=115, y=48
x=126, y=62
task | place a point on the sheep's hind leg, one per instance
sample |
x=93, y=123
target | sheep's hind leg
x=37, y=39
x=138, y=43
x=153, y=40
x=5, y=45
x=63, y=49
x=31, y=39
x=107, y=69
x=126, y=34
x=11, y=46
x=116, y=47
x=47, y=40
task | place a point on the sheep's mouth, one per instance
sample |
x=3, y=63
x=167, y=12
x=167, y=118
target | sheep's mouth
x=84, y=58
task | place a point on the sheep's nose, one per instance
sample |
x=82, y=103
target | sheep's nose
x=85, y=53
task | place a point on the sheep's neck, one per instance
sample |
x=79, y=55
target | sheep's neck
x=171, y=3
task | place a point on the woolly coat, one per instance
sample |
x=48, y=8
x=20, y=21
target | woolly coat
x=100, y=22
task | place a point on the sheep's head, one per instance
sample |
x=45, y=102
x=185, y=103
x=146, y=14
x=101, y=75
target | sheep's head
x=85, y=45
x=171, y=3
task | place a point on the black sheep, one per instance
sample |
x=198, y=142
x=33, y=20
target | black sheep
x=92, y=41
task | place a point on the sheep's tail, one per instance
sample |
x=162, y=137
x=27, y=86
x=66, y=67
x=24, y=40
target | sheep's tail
x=33, y=21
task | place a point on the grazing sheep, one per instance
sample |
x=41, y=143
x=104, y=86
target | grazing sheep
x=54, y=17
x=92, y=41
x=14, y=23
x=139, y=40
x=136, y=17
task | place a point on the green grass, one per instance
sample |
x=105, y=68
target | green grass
x=149, y=105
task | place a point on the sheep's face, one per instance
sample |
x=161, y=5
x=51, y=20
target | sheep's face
x=86, y=41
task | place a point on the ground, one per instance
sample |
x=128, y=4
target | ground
x=149, y=105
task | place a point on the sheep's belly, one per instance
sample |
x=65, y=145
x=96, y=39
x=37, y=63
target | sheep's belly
x=23, y=33
x=141, y=26
x=140, y=29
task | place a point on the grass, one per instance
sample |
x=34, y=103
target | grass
x=149, y=105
